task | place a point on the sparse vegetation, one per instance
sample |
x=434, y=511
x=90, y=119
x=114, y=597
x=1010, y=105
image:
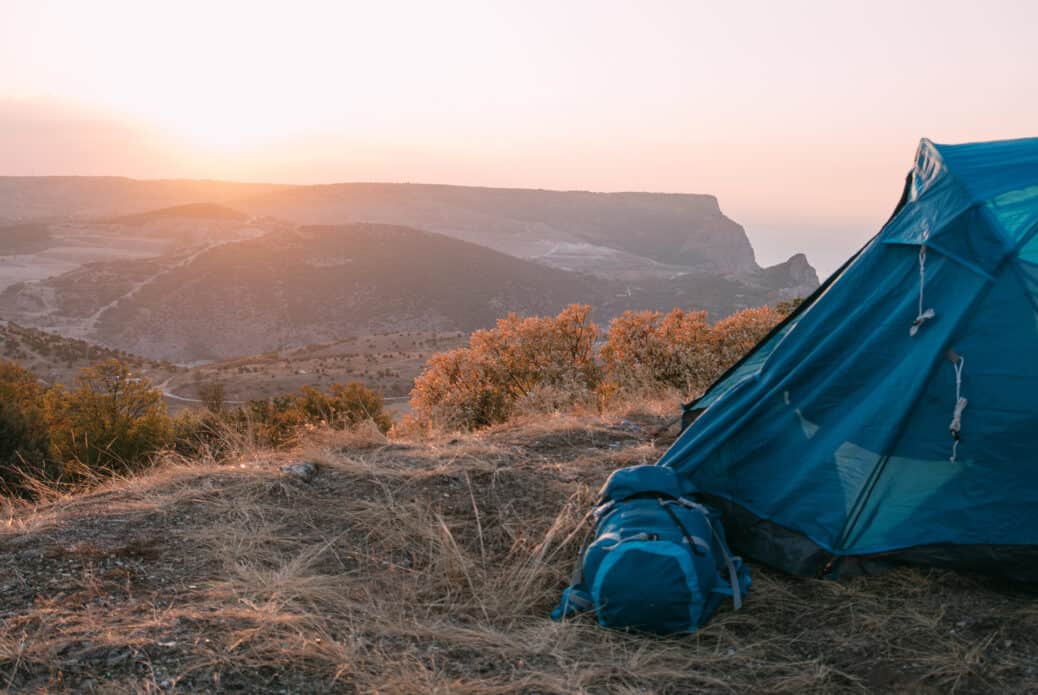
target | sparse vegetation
x=115, y=422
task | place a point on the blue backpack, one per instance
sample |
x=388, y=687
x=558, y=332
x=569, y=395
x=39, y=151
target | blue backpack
x=657, y=561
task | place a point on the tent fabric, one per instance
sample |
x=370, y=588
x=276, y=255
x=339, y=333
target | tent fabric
x=835, y=428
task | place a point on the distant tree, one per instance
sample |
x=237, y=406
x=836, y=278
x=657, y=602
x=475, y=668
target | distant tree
x=212, y=395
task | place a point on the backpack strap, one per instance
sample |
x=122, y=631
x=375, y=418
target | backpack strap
x=695, y=543
x=729, y=560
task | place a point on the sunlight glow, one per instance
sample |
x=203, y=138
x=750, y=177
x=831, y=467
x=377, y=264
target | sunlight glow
x=792, y=114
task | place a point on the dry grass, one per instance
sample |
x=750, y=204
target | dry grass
x=407, y=567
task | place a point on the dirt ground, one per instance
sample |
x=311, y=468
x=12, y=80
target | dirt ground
x=431, y=566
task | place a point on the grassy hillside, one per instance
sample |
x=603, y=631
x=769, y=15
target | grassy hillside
x=430, y=566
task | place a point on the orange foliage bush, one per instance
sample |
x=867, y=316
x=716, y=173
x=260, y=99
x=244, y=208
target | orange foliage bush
x=734, y=336
x=648, y=349
x=679, y=350
x=538, y=364
x=514, y=362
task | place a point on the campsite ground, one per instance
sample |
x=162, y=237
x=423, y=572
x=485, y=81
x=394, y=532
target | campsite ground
x=430, y=566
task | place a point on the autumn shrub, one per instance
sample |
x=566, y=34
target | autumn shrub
x=542, y=364
x=24, y=436
x=277, y=422
x=733, y=337
x=111, y=421
x=200, y=433
x=345, y=405
x=650, y=349
x=507, y=368
x=680, y=350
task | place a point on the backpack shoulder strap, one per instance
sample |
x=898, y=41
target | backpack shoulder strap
x=729, y=560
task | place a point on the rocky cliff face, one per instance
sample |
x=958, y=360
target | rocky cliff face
x=794, y=278
x=686, y=231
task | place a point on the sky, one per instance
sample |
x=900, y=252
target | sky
x=801, y=117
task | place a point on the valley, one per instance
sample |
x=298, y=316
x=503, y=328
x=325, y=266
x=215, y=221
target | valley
x=264, y=288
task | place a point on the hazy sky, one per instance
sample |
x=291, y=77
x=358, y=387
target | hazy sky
x=802, y=117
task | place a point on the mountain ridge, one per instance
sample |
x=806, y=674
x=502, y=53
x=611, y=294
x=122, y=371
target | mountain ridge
x=685, y=230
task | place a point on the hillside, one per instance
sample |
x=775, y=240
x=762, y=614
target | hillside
x=430, y=567
x=190, y=211
x=318, y=284
x=56, y=359
x=17, y=239
x=387, y=363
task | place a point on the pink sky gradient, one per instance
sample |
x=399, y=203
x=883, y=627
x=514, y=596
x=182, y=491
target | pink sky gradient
x=801, y=117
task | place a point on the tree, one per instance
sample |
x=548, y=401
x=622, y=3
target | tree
x=212, y=395
x=112, y=420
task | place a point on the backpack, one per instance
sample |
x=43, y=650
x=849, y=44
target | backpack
x=656, y=561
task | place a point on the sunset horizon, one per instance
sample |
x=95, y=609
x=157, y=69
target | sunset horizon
x=796, y=120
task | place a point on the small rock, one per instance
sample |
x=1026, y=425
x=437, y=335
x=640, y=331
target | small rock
x=304, y=470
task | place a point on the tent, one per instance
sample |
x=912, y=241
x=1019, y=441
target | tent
x=894, y=416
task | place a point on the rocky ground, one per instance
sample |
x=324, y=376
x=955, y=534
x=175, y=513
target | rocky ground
x=357, y=564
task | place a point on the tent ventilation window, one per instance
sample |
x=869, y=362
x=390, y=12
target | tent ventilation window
x=928, y=314
x=960, y=404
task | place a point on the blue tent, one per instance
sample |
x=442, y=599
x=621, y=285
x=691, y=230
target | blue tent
x=894, y=416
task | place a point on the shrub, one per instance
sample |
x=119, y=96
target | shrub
x=201, y=433
x=345, y=405
x=213, y=396
x=515, y=362
x=679, y=350
x=646, y=348
x=734, y=336
x=111, y=421
x=24, y=437
x=459, y=390
x=277, y=422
